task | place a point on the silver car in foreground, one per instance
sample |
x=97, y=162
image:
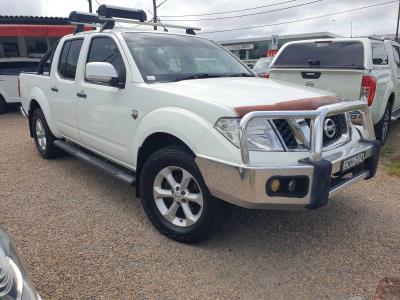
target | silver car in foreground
x=14, y=281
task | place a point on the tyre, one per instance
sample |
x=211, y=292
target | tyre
x=3, y=105
x=175, y=197
x=382, y=128
x=43, y=137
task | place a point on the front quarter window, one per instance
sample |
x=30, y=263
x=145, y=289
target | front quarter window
x=169, y=57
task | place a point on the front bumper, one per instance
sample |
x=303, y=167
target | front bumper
x=247, y=186
x=322, y=176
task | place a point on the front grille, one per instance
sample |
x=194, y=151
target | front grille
x=340, y=123
x=286, y=133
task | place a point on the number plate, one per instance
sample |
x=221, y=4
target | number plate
x=353, y=161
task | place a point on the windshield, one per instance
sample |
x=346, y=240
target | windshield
x=324, y=54
x=262, y=64
x=168, y=57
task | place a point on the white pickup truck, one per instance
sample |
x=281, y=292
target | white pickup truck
x=10, y=68
x=188, y=123
x=352, y=68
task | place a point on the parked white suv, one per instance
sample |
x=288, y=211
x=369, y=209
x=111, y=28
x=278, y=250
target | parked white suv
x=138, y=105
x=353, y=68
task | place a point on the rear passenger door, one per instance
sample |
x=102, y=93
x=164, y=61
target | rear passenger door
x=63, y=88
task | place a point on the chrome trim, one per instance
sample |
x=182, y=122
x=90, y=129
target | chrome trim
x=245, y=185
x=317, y=118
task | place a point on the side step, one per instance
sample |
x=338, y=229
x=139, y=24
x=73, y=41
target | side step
x=396, y=115
x=96, y=162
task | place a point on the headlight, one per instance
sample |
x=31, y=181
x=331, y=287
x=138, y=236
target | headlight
x=260, y=134
x=14, y=282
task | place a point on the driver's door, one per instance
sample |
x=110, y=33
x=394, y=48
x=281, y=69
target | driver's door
x=104, y=110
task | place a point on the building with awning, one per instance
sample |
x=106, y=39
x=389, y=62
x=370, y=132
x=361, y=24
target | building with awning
x=30, y=36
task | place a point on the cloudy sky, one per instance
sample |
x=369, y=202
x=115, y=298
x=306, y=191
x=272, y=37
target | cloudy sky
x=376, y=20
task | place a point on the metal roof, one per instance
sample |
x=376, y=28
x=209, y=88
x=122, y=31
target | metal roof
x=33, y=20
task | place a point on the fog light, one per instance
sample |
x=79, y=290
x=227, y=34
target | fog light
x=275, y=185
x=292, y=186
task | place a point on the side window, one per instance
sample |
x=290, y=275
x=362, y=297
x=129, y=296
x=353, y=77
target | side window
x=379, y=54
x=69, y=58
x=104, y=49
x=396, y=53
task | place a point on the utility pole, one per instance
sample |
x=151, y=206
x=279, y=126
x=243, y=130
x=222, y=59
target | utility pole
x=398, y=19
x=155, y=13
x=155, y=6
x=90, y=5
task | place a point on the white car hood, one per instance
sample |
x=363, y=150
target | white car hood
x=236, y=92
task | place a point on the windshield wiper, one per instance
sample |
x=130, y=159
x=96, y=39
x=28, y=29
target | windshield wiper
x=200, y=76
x=239, y=75
x=208, y=75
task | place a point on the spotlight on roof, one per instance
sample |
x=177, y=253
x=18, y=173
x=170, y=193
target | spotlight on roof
x=110, y=11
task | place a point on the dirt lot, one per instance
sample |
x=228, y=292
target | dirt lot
x=83, y=235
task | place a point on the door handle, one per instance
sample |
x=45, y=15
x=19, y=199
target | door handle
x=81, y=95
x=54, y=89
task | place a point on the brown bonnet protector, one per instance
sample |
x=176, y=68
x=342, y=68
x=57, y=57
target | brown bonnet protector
x=296, y=105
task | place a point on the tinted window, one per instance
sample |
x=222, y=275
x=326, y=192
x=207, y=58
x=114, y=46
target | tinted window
x=104, y=49
x=379, y=54
x=348, y=55
x=14, y=68
x=63, y=58
x=69, y=58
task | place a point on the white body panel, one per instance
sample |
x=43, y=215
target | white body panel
x=346, y=83
x=9, y=72
x=9, y=88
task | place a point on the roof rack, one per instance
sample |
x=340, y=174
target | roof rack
x=108, y=15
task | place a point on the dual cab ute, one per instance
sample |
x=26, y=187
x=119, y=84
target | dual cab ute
x=353, y=68
x=190, y=125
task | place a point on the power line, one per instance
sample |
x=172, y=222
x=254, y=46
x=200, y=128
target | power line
x=301, y=20
x=245, y=15
x=231, y=11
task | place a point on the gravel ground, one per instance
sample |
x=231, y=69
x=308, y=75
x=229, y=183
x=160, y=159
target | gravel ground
x=83, y=235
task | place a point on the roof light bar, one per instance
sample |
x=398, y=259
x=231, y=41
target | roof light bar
x=83, y=17
x=108, y=15
x=110, y=11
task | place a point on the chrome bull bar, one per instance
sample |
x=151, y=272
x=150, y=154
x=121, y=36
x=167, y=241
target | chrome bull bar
x=317, y=117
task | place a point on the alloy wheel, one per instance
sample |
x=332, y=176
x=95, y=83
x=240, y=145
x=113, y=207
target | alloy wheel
x=41, y=135
x=178, y=196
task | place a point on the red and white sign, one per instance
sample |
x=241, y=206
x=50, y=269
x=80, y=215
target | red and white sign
x=271, y=53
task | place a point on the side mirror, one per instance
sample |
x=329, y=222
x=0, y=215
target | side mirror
x=101, y=72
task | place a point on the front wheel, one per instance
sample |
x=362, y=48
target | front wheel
x=43, y=137
x=383, y=127
x=175, y=197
